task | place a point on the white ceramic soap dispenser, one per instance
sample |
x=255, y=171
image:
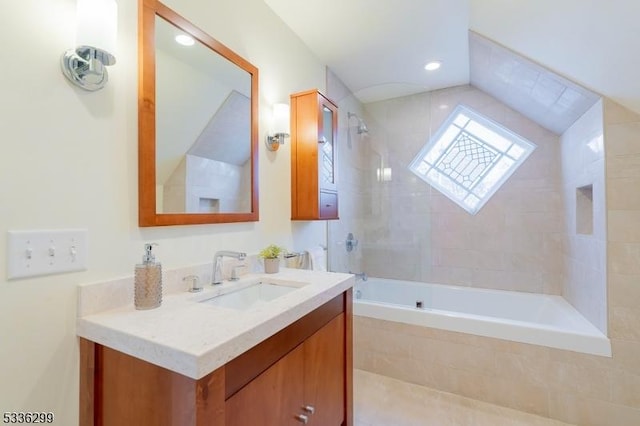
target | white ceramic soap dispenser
x=148, y=281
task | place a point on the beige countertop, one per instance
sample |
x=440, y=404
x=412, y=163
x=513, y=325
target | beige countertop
x=193, y=338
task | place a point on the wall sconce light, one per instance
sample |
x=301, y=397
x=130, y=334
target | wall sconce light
x=97, y=24
x=280, y=127
x=383, y=174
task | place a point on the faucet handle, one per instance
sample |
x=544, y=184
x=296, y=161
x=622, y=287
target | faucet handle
x=235, y=275
x=195, y=283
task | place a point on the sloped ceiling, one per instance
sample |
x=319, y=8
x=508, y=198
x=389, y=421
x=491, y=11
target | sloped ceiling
x=541, y=95
x=378, y=48
x=225, y=136
x=592, y=42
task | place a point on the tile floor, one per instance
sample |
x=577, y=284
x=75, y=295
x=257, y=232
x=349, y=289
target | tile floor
x=383, y=401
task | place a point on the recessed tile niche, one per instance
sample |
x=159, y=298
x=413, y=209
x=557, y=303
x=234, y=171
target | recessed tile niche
x=584, y=210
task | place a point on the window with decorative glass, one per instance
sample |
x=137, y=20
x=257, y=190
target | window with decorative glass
x=470, y=157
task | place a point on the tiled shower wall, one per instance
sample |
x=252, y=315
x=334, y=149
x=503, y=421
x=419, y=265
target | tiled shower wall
x=353, y=153
x=576, y=388
x=413, y=232
x=583, y=184
x=529, y=237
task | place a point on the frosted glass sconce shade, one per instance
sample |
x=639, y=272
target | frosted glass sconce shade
x=97, y=27
x=280, y=126
x=97, y=24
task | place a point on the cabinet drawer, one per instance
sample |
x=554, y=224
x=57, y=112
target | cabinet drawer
x=328, y=205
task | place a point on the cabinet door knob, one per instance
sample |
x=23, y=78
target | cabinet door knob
x=302, y=418
x=309, y=409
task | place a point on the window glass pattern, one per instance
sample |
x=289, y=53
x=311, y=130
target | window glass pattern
x=470, y=157
x=327, y=153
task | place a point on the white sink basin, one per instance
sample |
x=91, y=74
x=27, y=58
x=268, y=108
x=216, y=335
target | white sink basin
x=259, y=293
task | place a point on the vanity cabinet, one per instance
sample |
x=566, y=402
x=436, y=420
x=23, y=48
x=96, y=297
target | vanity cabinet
x=314, y=128
x=324, y=374
x=306, y=370
x=305, y=386
x=273, y=398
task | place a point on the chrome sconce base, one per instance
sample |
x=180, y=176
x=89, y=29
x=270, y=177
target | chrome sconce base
x=273, y=142
x=85, y=67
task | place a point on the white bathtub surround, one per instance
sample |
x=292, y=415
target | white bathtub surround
x=192, y=338
x=530, y=378
x=537, y=319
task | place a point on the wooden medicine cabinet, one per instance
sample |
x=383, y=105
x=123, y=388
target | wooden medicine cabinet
x=314, y=128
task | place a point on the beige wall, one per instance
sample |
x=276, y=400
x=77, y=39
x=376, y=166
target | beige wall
x=622, y=150
x=576, y=388
x=69, y=159
x=414, y=232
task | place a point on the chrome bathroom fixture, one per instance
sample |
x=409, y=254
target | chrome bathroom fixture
x=84, y=66
x=280, y=124
x=362, y=127
x=216, y=278
x=195, y=283
x=360, y=276
x=351, y=243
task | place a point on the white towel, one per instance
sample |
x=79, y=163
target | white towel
x=317, y=258
x=293, y=260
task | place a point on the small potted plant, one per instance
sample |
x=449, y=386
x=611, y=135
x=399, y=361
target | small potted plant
x=271, y=255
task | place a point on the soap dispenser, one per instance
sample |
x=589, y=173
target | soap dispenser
x=148, y=281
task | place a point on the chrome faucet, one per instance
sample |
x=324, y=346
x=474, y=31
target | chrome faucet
x=360, y=276
x=217, y=263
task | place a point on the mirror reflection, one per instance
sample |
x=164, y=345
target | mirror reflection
x=203, y=127
x=198, y=125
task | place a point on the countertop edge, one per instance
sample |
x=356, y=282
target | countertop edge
x=198, y=365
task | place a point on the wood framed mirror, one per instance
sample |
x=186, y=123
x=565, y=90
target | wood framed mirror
x=197, y=125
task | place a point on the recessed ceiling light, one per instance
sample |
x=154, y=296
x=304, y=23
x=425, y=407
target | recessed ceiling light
x=185, y=40
x=433, y=65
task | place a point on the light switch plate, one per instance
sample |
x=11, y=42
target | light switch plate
x=44, y=252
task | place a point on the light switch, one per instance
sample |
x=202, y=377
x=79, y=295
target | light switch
x=44, y=252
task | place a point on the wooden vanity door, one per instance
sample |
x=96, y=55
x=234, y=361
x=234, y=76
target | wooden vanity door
x=324, y=374
x=273, y=398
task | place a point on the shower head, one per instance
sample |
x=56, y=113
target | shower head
x=362, y=127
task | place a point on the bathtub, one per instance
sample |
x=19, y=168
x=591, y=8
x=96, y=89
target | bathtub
x=521, y=317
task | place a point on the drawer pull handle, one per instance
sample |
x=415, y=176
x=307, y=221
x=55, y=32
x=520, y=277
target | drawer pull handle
x=327, y=205
x=322, y=140
x=309, y=409
x=302, y=418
